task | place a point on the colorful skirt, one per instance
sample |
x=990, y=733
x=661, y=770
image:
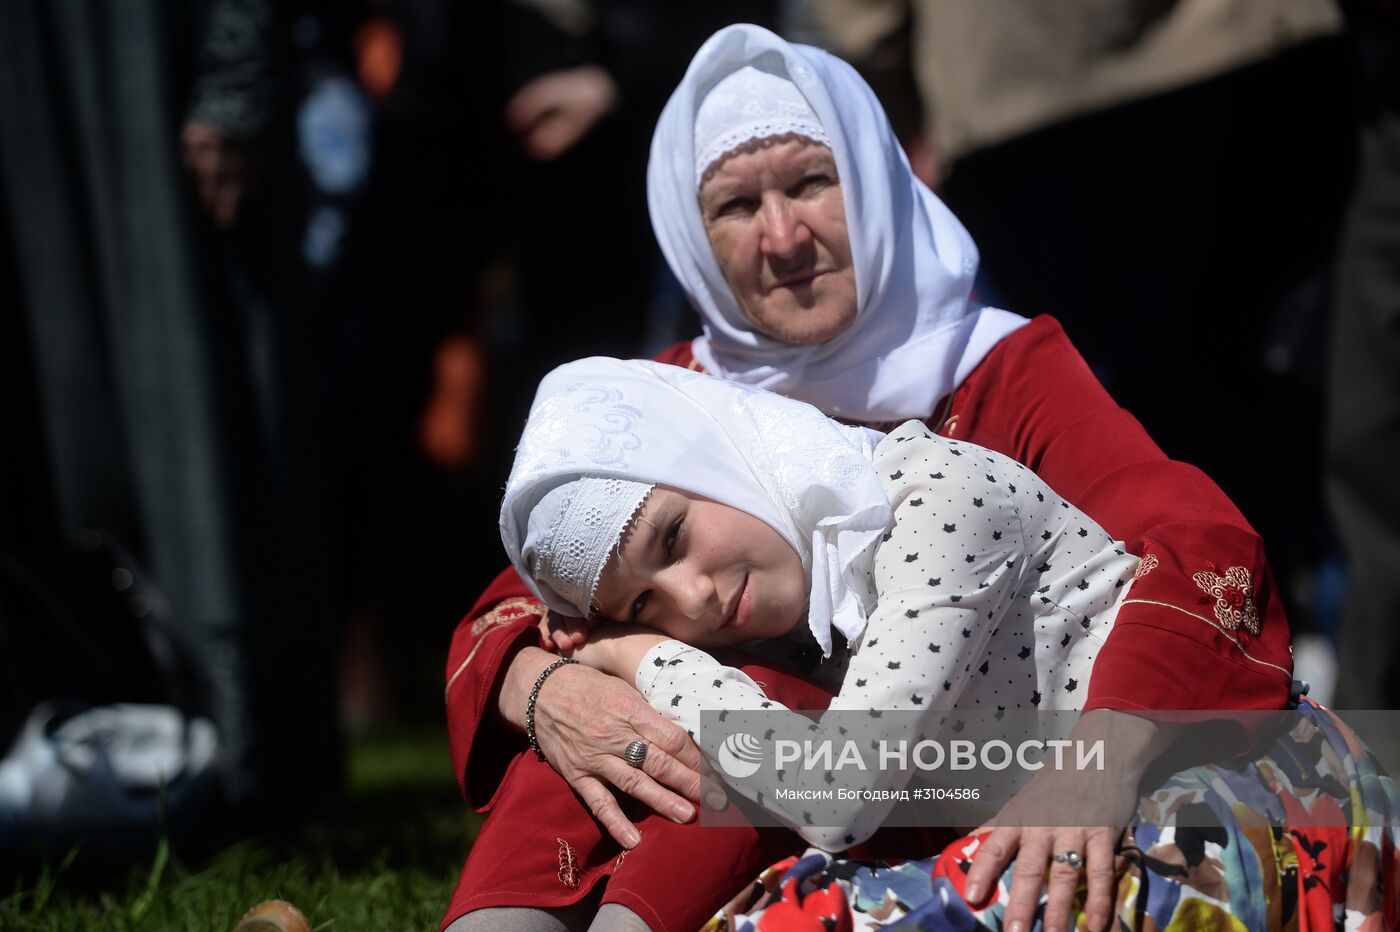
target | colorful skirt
x=1246, y=869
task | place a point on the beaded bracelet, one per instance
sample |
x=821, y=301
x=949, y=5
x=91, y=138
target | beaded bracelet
x=530, y=704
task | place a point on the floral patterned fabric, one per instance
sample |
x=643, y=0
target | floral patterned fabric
x=1253, y=868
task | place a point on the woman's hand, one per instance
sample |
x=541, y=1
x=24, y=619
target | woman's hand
x=553, y=112
x=584, y=721
x=1034, y=849
x=1092, y=808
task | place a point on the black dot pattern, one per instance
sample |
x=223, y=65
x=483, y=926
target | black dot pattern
x=994, y=593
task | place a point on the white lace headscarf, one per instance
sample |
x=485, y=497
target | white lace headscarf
x=750, y=104
x=915, y=336
x=782, y=461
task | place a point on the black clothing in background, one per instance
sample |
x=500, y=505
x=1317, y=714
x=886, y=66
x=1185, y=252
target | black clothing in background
x=167, y=390
x=1185, y=241
x=1363, y=410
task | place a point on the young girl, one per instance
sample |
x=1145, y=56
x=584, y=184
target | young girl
x=715, y=514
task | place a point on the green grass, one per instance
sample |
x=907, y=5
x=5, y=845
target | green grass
x=389, y=864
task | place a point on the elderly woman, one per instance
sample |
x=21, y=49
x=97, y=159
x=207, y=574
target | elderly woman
x=824, y=270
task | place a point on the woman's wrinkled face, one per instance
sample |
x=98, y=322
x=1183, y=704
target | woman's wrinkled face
x=776, y=221
x=704, y=573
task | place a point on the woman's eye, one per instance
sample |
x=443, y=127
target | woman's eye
x=639, y=604
x=737, y=205
x=810, y=184
x=673, y=534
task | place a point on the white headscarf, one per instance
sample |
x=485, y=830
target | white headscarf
x=572, y=532
x=915, y=336
x=782, y=461
x=750, y=104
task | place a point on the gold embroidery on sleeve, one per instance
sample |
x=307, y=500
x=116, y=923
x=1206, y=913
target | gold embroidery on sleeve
x=1234, y=597
x=1147, y=564
x=508, y=610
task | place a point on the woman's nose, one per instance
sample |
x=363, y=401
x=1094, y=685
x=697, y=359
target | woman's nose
x=784, y=232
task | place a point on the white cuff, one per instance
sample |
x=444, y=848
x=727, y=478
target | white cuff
x=663, y=656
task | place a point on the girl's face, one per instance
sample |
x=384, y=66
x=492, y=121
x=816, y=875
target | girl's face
x=704, y=573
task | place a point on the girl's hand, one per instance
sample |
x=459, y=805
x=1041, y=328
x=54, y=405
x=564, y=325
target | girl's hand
x=617, y=649
x=562, y=634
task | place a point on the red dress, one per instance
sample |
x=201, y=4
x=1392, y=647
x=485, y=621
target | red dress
x=1203, y=629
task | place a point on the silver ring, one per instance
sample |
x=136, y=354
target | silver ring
x=636, y=754
x=1073, y=858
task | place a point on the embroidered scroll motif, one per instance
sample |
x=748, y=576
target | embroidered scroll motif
x=568, y=866
x=617, y=865
x=507, y=611
x=1234, y=597
x=1147, y=564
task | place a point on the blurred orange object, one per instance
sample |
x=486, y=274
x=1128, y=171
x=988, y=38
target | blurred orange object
x=447, y=430
x=378, y=55
x=273, y=916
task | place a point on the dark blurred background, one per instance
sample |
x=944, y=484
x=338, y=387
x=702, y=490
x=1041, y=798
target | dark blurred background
x=278, y=280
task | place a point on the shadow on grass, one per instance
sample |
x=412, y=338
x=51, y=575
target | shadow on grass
x=389, y=862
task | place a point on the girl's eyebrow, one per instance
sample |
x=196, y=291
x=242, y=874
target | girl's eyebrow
x=631, y=542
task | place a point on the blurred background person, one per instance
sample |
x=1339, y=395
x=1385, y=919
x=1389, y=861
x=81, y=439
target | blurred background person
x=1363, y=401
x=160, y=435
x=394, y=258
x=587, y=80
x=502, y=231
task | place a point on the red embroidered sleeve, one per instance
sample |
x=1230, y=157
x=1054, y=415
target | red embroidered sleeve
x=503, y=620
x=1203, y=626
